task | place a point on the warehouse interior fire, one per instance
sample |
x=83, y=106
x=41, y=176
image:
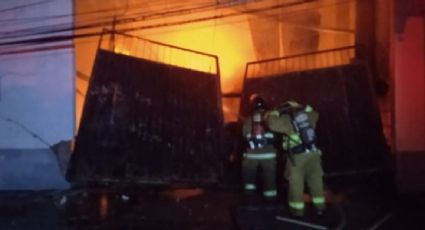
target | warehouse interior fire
x=129, y=114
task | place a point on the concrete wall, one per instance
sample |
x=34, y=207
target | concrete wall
x=36, y=93
x=30, y=169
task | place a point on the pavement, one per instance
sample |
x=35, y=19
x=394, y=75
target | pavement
x=368, y=202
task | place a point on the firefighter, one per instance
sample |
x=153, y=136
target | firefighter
x=303, y=165
x=260, y=152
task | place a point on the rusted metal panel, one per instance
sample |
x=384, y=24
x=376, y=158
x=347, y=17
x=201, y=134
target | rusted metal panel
x=147, y=122
x=349, y=128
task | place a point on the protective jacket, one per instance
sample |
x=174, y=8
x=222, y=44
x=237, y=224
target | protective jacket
x=259, y=153
x=304, y=165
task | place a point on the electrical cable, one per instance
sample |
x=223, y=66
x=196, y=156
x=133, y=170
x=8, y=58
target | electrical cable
x=89, y=26
x=67, y=37
x=43, y=40
x=138, y=17
x=123, y=20
x=25, y=6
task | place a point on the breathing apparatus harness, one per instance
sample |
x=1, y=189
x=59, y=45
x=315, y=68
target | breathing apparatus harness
x=259, y=136
x=302, y=126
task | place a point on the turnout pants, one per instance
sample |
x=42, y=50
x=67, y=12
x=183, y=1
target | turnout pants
x=250, y=165
x=307, y=169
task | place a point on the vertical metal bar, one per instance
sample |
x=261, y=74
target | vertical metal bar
x=143, y=48
x=169, y=54
x=112, y=38
x=133, y=41
x=137, y=49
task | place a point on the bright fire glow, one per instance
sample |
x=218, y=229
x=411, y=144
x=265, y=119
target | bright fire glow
x=121, y=50
x=231, y=43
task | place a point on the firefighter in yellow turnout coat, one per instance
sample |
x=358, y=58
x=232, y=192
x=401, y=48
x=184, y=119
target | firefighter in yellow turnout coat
x=303, y=164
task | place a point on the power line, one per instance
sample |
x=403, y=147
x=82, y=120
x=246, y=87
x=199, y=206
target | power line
x=68, y=26
x=214, y=17
x=143, y=6
x=67, y=37
x=25, y=6
x=43, y=18
x=35, y=49
x=61, y=38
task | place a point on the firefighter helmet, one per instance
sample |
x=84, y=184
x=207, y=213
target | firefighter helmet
x=257, y=103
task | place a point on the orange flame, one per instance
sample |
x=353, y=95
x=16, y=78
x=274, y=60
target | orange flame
x=231, y=43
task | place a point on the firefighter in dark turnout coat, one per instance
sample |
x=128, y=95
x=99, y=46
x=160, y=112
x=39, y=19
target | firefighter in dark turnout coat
x=260, y=152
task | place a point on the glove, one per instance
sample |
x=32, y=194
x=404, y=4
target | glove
x=294, y=104
x=308, y=108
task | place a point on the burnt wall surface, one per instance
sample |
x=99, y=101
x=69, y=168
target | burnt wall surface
x=349, y=128
x=148, y=122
